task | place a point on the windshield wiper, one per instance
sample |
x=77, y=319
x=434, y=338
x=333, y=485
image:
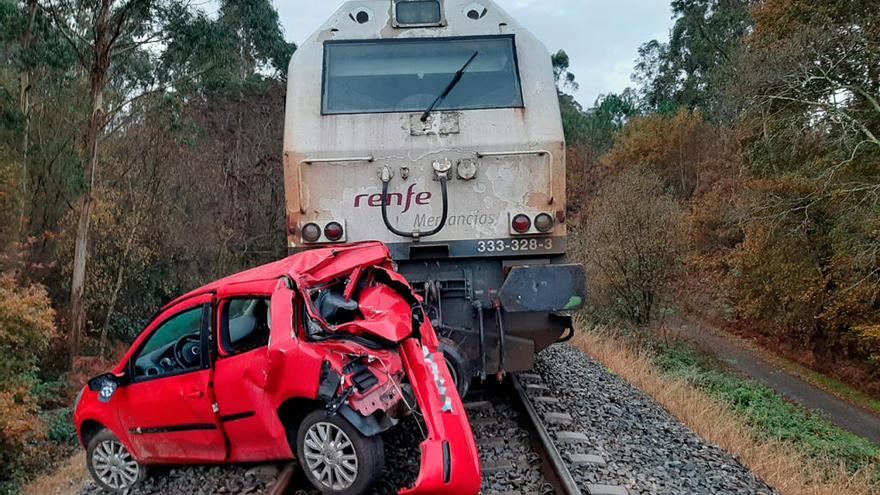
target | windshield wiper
x=452, y=84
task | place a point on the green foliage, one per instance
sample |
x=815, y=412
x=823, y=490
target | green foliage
x=242, y=48
x=61, y=429
x=693, y=67
x=597, y=126
x=565, y=79
x=766, y=411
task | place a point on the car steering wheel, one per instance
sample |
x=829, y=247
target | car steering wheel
x=187, y=351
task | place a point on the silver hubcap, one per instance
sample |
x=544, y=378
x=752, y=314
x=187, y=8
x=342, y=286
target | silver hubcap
x=114, y=465
x=330, y=456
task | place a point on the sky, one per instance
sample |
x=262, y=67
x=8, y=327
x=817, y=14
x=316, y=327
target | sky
x=601, y=37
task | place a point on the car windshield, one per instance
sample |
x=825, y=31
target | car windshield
x=379, y=76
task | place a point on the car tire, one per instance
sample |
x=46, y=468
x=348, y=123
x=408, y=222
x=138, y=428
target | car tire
x=352, y=468
x=111, y=465
x=458, y=366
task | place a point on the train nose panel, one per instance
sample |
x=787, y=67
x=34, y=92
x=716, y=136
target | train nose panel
x=547, y=288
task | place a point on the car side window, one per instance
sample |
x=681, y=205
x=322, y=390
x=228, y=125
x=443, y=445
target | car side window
x=247, y=323
x=174, y=347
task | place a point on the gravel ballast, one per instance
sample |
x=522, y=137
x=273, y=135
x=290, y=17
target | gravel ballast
x=644, y=448
x=613, y=436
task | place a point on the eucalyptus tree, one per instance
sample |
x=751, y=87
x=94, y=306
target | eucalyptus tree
x=113, y=41
x=693, y=67
x=240, y=48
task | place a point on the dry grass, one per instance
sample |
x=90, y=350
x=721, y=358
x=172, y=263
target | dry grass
x=68, y=479
x=777, y=463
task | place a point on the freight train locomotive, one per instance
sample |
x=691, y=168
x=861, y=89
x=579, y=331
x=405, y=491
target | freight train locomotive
x=434, y=126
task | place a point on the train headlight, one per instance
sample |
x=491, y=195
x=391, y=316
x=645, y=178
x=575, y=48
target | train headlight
x=333, y=231
x=544, y=223
x=311, y=232
x=521, y=223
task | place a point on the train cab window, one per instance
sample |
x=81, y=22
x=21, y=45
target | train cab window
x=246, y=324
x=407, y=75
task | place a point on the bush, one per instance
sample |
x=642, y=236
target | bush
x=26, y=328
x=61, y=427
x=632, y=242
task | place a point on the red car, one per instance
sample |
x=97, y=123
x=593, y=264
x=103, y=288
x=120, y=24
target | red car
x=312, y=357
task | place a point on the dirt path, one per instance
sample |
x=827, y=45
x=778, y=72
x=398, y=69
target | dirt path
x=68, y=479
x=838, y=411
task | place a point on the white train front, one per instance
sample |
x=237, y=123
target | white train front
x=434, y=126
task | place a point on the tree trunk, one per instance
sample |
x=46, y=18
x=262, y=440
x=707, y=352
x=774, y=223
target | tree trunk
x=25, y=101
x=98, y=78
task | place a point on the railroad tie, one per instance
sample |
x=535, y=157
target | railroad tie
x=478, y=422
x=557, y=418
x=492, y=442
x=606, y=490
x=498, y=465
x=529, y=377
x=480, y=405
x=536, y=387
x=586, y=460
x=571, y=437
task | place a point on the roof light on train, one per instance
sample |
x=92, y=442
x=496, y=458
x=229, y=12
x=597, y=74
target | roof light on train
x=333, y=231
x=521, y=223
x=475, y=11
x=361, y=15
x=418, y=12
x=544, y=223
x=311, y=232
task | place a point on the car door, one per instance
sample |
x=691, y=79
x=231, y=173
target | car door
x=247, y=406
x=168, y=406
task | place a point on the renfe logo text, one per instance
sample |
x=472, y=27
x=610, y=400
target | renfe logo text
x=398, y=199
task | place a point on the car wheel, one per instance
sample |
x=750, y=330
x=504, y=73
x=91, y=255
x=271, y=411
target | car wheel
x=458, y=367
x=111, y=465
x=337, y=458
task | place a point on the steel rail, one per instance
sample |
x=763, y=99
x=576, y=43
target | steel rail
x=282, y=483
x=553, y=466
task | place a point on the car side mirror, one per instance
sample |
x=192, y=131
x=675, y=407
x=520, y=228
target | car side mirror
x=106, y=385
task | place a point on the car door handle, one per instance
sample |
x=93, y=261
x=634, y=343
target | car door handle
x=192, y=394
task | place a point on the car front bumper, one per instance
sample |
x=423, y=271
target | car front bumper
x=450, y=461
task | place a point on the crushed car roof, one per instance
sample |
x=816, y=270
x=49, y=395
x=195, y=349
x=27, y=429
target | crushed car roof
x=305, y=268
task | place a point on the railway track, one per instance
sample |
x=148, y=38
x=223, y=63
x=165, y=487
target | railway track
x=573, y=427
x=518, y=452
